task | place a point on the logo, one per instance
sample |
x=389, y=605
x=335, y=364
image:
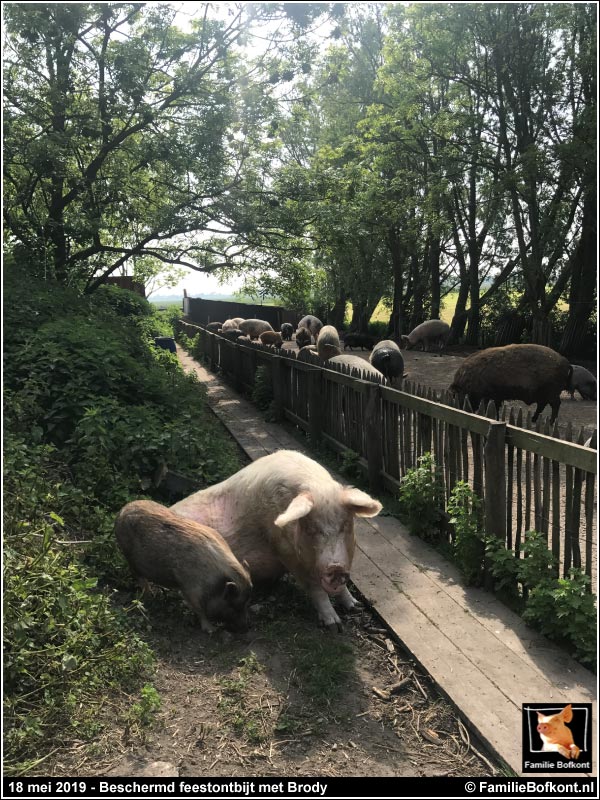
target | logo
x=557, y=738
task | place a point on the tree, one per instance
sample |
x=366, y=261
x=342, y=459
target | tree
x=126, y=137
x=535, y=129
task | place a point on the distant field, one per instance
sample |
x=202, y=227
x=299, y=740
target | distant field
x=165, y=303
x=383, y=311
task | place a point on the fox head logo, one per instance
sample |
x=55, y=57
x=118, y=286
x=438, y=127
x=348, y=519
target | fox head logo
x=555, y=734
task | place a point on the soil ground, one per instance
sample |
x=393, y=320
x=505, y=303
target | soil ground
x=437, y=371
x=285, y=699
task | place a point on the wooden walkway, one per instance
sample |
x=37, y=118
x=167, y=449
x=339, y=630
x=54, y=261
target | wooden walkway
x=481, y=655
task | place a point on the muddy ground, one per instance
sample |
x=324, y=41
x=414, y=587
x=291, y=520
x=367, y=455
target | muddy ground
x=286, y=699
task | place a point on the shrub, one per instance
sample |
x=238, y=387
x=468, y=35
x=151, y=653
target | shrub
x=378, y=329
x=563, y=609
x=91, y=411
x=65, y=645
x=122, y=302
x=464, y=508
x=421, y=499
x=504, y=567
x=262, y=391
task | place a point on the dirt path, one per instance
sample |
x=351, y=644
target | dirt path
x=288, y=699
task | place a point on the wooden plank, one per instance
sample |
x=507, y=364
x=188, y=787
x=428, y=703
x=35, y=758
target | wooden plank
x=576, y=513
x=374, y=430
x=478, y=487
x=495, y=481
x=510, y=456
x=537, y=493
x=393, y=432
x=296, y=419
x=315, y=405
x=453, y=415
x=519, y=530
x=437, y=619
x=556, y=527
x=568, y=528
x=277, y=387
x=566, y=452
x=590, y=481
x=545, y=497
x=358, y=384
x=528, y=493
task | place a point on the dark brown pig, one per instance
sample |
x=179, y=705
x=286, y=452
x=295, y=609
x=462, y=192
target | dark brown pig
x=528, y=372
x=584, y=382
x=303, y=337
x=387, y=358
x=312, y=324
x=362, y=340
x=287, y=331
x=272, y=338
x=179, y=553
x=284, y=512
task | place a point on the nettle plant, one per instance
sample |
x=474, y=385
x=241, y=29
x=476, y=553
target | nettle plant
x=465, y=508
x=563, y=609
x=421, y=499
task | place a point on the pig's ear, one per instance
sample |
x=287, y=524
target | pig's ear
x=567, y=713
x=360, y=503
x=231, y=590
x=540, y=716
x=299, y=507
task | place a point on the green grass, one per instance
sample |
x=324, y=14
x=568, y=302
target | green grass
x=235, y=706
x=383, y=310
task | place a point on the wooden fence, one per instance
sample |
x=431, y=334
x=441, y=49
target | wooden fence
x=526, y=478
x=202, y=311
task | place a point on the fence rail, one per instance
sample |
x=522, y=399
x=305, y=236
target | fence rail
x=526, y=478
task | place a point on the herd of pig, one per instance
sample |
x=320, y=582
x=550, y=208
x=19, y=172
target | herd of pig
x=282, y=513
x=527, y=372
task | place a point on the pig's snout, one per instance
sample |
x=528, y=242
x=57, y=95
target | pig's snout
x=542, y=728
x=334, y=578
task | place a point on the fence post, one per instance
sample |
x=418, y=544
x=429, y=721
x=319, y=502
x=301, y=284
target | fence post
x=374, y=434
x=277, y=383
x=238, y=370
x=495, y=486
x=213, y=352
x=315, y=404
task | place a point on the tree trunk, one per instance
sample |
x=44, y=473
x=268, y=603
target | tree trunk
x=397, y=323
x=338, y=313
x=418, y=312
x=459, y=320
x=472, y=337
x=541, y=330
x=434, y=275
x=362, y=312
x=583, y=282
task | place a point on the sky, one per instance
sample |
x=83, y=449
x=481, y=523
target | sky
x=198, y=283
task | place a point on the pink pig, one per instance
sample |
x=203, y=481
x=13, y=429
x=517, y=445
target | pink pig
x=284, y=512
